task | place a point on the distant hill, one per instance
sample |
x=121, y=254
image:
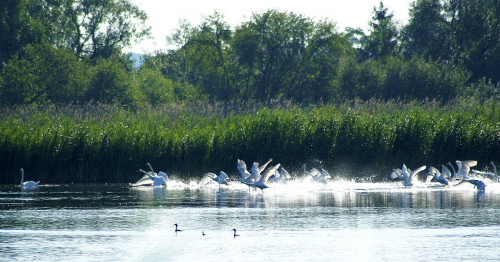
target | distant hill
x=137, y=58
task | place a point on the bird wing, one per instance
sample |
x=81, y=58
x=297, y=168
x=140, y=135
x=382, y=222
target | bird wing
x=469, y=163
x=223, y=178
x=162, y=174
x=205, y=180
x=150, y=167
x=144, y=177
x=435, y=171
x=242, y=168
x=159, y=181
x=268, y=173
x=325, y=174
x=144, y=181
x=416, y=171
x=256, y=171
x=395, y=173
x=430, y=174
x=445, y=172
x=285, y=173
x=261, y=168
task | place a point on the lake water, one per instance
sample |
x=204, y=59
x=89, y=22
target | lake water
x=340, y=221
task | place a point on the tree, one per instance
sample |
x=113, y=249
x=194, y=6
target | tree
x=209, y=58
x=110, y=83
x=100, y=28
x=382, y=40
x=427, y=32
x=476, y=29
x=283, y=54
x=462, y=32
x=19, y=26
x=43, y=74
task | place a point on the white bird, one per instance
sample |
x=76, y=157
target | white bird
x=261, y=183
x=145, y=180
x=323, y=177
x=151, y=178
x=480, y=185
x=222, y=178
x=28, y=184
x=440, y=177
x=316, y=175
x=454, y=173
x=396, y=173
x=255, y=175
x=242, y=168
x=493, y=175
x=464, y=168
x=161, y=174
x=281, y=176
x=409, y=176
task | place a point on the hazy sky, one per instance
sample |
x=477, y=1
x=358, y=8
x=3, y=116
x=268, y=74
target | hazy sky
x=164, y=15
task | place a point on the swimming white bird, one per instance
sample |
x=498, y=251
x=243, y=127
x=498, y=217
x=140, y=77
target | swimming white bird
x=28, y=184
x=480, y=185
x=493, y=175
x=261, y=183
x=235, y=235
x=408, y=176
x=176, y=229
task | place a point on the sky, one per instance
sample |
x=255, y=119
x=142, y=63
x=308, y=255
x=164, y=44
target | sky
x=164, y=16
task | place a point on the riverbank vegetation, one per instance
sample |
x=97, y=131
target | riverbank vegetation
x=74, y=108
x=106, y=143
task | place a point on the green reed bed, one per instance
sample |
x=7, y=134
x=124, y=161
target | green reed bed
x=105, y=143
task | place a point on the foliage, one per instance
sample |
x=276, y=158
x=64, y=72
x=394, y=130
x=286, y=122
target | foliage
x=105, y=143
x=43, y=74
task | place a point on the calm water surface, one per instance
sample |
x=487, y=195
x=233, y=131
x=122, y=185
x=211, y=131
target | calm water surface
x=341, y=221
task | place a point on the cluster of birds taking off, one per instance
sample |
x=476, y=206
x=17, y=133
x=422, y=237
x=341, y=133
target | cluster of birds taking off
x=259, y=176
x=463, y=174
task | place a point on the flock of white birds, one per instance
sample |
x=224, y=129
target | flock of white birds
x=463, y=174
x=259, y=176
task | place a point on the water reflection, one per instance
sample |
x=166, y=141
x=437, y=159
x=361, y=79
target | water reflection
x=92, y=196
x=296, y=222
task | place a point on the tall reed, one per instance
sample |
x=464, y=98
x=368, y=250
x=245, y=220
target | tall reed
x=106, y=143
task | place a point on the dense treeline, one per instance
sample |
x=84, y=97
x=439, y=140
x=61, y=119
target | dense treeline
x=72, y=101
x=104, y=143
x=71, y=51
